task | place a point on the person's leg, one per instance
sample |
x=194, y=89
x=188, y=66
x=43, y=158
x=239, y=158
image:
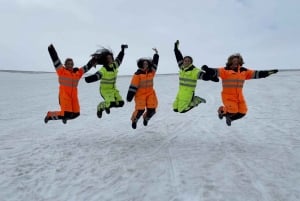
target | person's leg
x=237, y=116
x=242, y=110
x=108, y=96
x=151, y=105
x=183, y=101
x=229, y=109
x=140, y=104
x=117, y=104
x=135, y=117
x=69, y=116
x=147, y=115
x=118, y=100
x=53, y=115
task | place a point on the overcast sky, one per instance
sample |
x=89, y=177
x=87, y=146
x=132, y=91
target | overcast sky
x=266, y=33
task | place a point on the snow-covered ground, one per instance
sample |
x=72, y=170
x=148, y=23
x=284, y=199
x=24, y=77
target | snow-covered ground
x=177, y=157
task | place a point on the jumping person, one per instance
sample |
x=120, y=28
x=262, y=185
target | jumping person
x=233, y=77
x=108, y=75
x=188, y=76
x=68, y=78
x=141, y=88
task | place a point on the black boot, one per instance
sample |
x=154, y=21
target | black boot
x=64, y=120
x=107, y=110
x=145, y=122
x=133, y=125
x=46, y=119
x=99, y=113
x=228, y=120
x=221, y=112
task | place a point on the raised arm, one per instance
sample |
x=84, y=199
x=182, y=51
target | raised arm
x=155, y=60
x=92, y=62
x=55, y=59
x=178, y=55
x=120, y=56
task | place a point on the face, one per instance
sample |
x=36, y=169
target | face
x=69, y=65
x=235, y=63
x=145, y=65
x=187, y=61
x=109, y=59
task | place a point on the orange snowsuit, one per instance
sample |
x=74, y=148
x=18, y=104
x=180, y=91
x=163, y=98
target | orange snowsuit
x=68, y=93
x=68, y=83
x=141, y=88
x=232, y=93
x=145, y=95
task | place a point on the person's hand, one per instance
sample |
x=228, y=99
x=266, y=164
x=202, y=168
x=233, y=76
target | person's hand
x=51, y=46
x=204, y=67
x=215, y=79
x=124, y=46
x=155, y=50
x=92, y=62
x=273, y=71
x=176, y=44
x=75, y=69
x=210, y=74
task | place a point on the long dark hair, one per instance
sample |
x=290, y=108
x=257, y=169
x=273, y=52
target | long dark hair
x=101, y=55
x=140, y=62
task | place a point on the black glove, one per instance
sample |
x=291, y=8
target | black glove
x=75, y=70
x=92, y=62
x=54, y=57
x=215, y=79
x=124, y=46
x=210, y=74
x=204, y=67
x=266, y=73
x=209, y=71
x=273, y=71
x=130, y=96
x=176, y=44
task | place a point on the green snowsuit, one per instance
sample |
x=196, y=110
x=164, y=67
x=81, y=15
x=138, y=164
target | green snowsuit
x=187, y=83
x=108, y=75
x=188, y=76
x=108, y=89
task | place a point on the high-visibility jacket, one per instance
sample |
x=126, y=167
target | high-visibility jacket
x=187, y=84
x=108, y=76
x=68, y=83
x=233, y=82
x=188, y=76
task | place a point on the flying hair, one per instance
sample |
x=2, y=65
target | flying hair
x=140, y=61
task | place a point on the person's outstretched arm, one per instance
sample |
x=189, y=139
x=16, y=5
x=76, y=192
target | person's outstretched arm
x=263, y=73
x=93, y=78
